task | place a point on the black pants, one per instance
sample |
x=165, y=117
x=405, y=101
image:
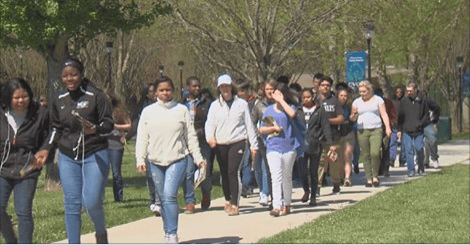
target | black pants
x=230, y=158
x=314, y=160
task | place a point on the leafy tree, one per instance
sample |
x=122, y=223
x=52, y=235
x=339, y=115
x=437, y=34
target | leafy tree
x=57, y=28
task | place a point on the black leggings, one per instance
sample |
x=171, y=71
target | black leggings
x=314, y=160
x=229, y=158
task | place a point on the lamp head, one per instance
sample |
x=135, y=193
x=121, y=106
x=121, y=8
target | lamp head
x=459, y=61
x=109, y=47
x=369, y=30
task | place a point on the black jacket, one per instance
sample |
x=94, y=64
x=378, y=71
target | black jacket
x=413, y=114
x=202, y=108
x=318, y=132
x=30, y=138
x=93, y=105
x=434, y=111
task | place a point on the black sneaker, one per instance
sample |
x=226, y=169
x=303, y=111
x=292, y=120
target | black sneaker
x=356, y=169
x=336, y=189
x=387, y=172
x=324, y=181
x=244, y=192
x=313, y=202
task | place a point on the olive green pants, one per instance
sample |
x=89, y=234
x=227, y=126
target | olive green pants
x=370, y=141
x=335, y=168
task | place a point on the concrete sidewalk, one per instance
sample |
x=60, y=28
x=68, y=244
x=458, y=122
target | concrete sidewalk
x=254, y=221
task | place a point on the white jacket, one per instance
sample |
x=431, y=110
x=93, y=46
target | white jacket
x=230, y=125
x=165, y=134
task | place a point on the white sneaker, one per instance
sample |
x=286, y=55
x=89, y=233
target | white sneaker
x=263, y=200
x=156, y=209
x=435, y=164
x=170, y=238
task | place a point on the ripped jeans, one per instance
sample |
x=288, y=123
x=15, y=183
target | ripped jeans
x=167, y=179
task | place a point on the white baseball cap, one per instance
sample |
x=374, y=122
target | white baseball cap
x=224, y=79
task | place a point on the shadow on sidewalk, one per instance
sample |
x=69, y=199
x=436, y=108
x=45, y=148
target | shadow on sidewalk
x=218, y=240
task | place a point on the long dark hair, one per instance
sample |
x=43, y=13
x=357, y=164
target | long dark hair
x=10, y=87
x=403, y=90
x=288, y=96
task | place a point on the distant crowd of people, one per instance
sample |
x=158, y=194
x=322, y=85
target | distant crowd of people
x=271, y=137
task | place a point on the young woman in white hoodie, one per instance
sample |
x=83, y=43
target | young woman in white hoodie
x=228, y=126
x=166, y=137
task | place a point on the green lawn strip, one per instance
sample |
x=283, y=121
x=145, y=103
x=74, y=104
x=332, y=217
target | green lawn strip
x=433, y=209
x=48, y=206
x=460, y=135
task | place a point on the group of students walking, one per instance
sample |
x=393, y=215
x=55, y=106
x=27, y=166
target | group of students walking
x=279, y=127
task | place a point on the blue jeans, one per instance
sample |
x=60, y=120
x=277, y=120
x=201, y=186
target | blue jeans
x=430, y=143
x=247, y=174
x=394, y=147
x=83, y=182
x=188, y=181
x=413, y=144
x=262, y=174
x=208, y=155
x=167, y=179
x=154, y=198
x=115, y=158
x=24, y=190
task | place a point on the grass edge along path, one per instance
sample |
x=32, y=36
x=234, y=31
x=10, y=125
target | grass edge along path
x=432, y=209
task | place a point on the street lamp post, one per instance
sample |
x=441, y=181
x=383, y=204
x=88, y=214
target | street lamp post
x=161, y=70
x=369, y=32
x=459, y=62
x=109, y=50
x=181, y=64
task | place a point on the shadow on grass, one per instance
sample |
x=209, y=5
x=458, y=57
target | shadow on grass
x=130, y=203
x=129, y=181
x=217, y=240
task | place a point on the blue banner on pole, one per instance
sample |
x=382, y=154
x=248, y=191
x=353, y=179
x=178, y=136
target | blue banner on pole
x=466, y=85
x=355, y=67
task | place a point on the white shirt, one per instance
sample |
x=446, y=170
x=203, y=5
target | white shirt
x=165, y=134
x=308, y=112
x=369, y=114
x=230, y=125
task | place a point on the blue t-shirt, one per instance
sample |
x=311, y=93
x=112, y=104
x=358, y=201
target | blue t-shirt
x=284, y=141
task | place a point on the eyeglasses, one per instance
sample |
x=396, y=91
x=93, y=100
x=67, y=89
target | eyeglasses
x=325, y=85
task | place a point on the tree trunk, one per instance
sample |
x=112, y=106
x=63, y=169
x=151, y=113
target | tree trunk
x=454, y=114
x=57, y=52
x=53, y=77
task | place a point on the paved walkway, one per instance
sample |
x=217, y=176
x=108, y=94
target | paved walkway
x=254, y=221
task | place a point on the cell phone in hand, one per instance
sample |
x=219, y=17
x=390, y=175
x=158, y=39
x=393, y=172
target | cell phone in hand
x=81, y=119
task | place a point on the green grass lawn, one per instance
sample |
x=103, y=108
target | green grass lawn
x=432, y=209
x=461, y=136
x=48, y=206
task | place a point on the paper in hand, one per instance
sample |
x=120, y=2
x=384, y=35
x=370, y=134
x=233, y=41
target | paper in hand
x=199, y=176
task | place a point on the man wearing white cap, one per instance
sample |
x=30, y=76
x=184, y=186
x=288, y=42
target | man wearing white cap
x=228, y=126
